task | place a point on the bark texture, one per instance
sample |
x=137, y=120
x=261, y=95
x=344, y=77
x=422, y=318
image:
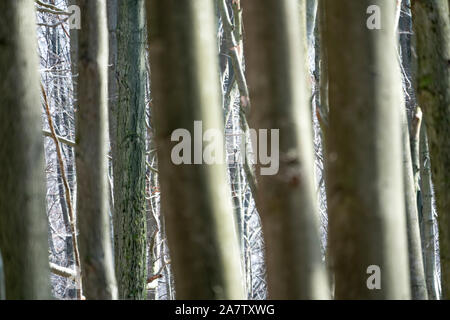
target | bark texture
x=130, y=223
x=431, y=22
x=91, y=154
x=23, y=226
x=364, y=171
x=429, y=233
x=195, y=198
x=416, y=268
x=286, y=201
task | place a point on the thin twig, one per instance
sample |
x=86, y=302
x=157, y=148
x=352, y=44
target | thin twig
x=66, y=188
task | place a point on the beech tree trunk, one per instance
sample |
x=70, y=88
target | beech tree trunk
x=91, y=154
x=23, y=220
x=194, y=197
x=431, y=22
x=367, y=224
x=286, y=201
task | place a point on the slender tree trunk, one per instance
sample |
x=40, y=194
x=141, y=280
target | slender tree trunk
x=112, y=14
x=130, y=223
x=311, y=14
x=91, y=154
x=286, y=201
x=322, y=110
x=416, y=269
x=23, y=226
x=194, y=198
x=364, y=177
x=429, y=241
x=431, y=22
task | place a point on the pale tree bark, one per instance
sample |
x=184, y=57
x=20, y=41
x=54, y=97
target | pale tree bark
x=311, y=15
x=286, y=201
x=23, y=226
x=429, y=234
x=364, y=171
x=130, y=223
x=416, y=268
x=91, y=154
x=322, y=110
x=194, y=197
x=431, y=23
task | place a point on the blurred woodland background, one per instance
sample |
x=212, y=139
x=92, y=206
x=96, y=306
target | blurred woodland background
x=92, y=207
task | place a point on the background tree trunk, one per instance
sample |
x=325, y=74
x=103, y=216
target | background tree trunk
x=431, y=22
x=429, y=233
x=130, y=223
x=286, y=200
x=416, y=269
x=112, y=15
x=364, y=177
x=23, y=227
x=91, y=154
x=194, y=198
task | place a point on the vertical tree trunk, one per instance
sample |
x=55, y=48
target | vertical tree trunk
x=130, y=225
x=23, y=227
x=112, y=16
x=322, y=110
x=311, y=14
x=429, y=235
x=364, y=176
x=286, y=200
x=91, y=154
x=432, y=28
x=195, y=201
x=416, y=269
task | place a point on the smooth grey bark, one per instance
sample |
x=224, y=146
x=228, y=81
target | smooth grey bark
x=194, y=198
x=363, y=144
x=429, y=234
x=431, y=23
x=91, y=154
x=23, y=220
x=286, y=201
x=416, y=268
x=130, y=223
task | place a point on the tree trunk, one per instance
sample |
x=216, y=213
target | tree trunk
x=194, y=198
x=286, y=200
x=23, y=226
x=416, y=269
x=432, y=28
x=130, y=223
x=311, y=14
x=364, y=171
x=429, y=241
x=91, y=154
x=112, y=15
